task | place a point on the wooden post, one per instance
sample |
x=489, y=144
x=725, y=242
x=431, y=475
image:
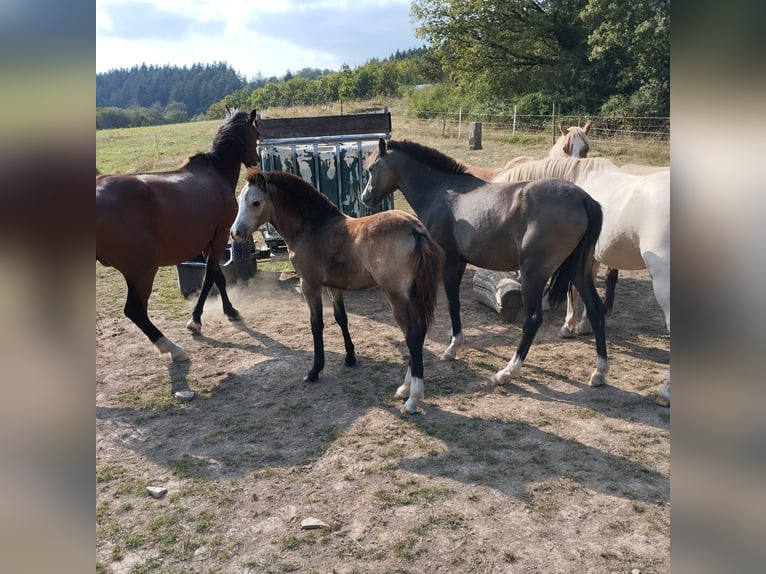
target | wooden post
x=444, y=123
x=459, y=120
x=553, y=122
x=474, y=135
x=513, y=131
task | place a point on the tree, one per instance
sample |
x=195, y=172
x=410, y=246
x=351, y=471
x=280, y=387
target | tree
x=630, y=49
x=508, y=47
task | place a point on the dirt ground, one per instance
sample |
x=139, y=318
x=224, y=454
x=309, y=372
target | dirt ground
x=542, y=475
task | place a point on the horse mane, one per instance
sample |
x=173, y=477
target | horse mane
x=231, y=138
x=298, y=194
x=562, y=168
x=428, y=155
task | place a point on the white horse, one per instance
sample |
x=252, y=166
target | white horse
x=573, y=142
x=636, y=229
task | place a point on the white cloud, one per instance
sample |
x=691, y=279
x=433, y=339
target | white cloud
x=252, y=36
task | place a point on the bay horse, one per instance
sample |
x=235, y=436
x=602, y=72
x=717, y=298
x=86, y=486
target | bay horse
x=391, y=249
x=547, y=229
x=148, y=220
x=573, y=142
x=636, y=232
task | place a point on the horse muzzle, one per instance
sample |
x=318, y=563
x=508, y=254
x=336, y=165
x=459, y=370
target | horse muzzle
x=366, y=197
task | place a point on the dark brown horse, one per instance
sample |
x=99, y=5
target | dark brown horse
x=392, y=250
x=148, y=220
x=546, y=228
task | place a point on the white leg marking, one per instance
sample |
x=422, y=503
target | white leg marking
x=165, y=345
x=513, y=368
x=569, y=328
x=598, y=377
x=194, y=326
x=416, y=394
x=450, y=353
x=404, y=390
x=664, y=398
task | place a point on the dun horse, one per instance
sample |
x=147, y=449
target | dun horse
x=636, y=233
x=547, y=229
x=148, y=220
x=392, y=250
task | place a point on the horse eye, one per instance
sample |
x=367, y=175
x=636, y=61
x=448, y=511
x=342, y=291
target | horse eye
x=256, y=203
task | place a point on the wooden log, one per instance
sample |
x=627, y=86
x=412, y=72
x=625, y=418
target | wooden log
x=499, y=291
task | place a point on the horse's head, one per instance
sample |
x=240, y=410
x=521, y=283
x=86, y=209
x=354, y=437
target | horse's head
x=573, y=142
x=241, y=131
x=254, y=206
x=381, y=180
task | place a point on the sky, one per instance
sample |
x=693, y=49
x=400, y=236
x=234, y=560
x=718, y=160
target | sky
x=252, y=36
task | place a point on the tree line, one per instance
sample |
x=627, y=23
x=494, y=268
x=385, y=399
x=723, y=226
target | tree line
x=587, y=56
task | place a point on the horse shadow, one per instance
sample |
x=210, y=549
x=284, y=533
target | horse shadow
x=266, y=418
x=511, y=456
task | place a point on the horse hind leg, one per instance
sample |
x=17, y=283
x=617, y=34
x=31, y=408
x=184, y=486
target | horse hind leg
x=412, y=389
x=596, y=311
x=136, y=310
x=228, y=308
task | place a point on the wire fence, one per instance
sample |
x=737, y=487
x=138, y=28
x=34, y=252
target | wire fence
x=455, y=123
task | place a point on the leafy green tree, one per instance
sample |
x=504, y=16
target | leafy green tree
x=506, y=47
x=629, y=47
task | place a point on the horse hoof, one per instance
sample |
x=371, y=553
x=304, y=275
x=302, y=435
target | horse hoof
x=502, y=377
x=350, y=361
x=235, y=316
x=194, y=326
x=596, y=380
x=179, y=356
x=310, y=377
x=566, y=333
x=410, y=407
x=583, y=330
x=402, y=393
x=449, y=355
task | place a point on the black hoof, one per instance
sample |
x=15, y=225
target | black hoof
x=350, y=360
x=311, y=377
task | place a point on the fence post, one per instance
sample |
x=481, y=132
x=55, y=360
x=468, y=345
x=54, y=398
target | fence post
x=474, y=135
x=513, y=131
x=553, y=122
x=444, y=123
x=459, y=120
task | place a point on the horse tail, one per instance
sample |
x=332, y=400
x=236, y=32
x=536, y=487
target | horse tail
x=582, y=257
x=429, y=263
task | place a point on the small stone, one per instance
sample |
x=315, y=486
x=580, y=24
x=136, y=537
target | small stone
x=635, y=571
x=184, y=396
x=156, y=491
x=312, y=523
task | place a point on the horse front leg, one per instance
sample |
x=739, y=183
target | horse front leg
x=532, y=296
x=339, y=311
x=453, y=275
x=313, y=295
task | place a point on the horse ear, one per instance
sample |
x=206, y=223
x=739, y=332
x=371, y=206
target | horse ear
x=563, y=130
x=260, y=180
x=587, y=126
x=253, y=115
x=382, y=146
x=228, y=109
